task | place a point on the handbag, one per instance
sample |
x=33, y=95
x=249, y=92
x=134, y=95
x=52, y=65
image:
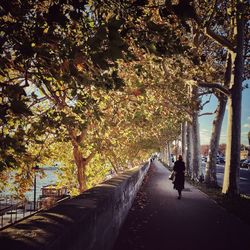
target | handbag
x=171, y=176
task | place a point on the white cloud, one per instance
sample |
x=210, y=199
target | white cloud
x=244, y=137
x=205, y=140
x=223, y=138
x=246, y=125
x=205, y=135
x=248, y=118
x=203, y=130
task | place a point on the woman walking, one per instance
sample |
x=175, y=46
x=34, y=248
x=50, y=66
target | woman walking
x=179, y=169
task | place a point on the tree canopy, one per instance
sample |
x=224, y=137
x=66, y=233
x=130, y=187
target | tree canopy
x=98, y=85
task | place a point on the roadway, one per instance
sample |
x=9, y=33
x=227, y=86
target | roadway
x=244, y=178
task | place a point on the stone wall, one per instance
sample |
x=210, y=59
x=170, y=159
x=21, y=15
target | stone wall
x=88, y=221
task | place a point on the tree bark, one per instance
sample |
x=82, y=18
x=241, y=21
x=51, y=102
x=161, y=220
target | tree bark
x=210, y=175
x=81, y=168
x=248, y=138
x=231, y=175
x=81, y=162
x=164, y=154
x=196, y=139
x=170, y=163
x=235, y=47
x=189, y=157
x=113, y=165
x=184, y=140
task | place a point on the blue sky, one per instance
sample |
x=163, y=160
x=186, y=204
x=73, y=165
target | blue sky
x=206, y=121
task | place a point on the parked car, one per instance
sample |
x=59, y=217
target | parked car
x=204, y=158
x=246, y=164
x=220, y=160
x=241, y=162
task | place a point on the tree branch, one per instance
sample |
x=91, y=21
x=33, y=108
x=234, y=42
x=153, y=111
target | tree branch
x=26, y=75
x=221, y=40
x=38, y=101
x=202, y=106
x=80, y=137
x=213, y=12
x=90, y=157
x=180, y=107
x=18, y=79
x=206, y=93
x=207, y=113
x=154, y=6
x=113, y=165
x=217, y=86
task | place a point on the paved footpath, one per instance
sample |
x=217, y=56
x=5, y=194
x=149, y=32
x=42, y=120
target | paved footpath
x=159, y=221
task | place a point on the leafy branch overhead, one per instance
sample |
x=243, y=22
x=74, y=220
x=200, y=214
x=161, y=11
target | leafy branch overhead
x=100, y=83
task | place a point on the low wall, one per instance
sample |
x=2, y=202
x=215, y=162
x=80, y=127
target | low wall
x=88, y=221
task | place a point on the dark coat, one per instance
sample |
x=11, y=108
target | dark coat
x=179, y=168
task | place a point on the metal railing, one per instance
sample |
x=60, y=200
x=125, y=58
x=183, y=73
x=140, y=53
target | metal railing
x=12, y=210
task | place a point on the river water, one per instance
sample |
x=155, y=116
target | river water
x=49, y=178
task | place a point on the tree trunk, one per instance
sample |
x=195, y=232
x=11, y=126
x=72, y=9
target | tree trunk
x=184, y=140
x=210, y=176
x=164, y=154
x=170, y=163
x=81, y=168
x=231, y=175
x=196, y=148
x=113, y=165
x=176, y=148
x=196, y=140
x=189, y=157
x=80, y=161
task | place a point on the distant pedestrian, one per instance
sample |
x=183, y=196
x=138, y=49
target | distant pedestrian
x=179, y=169
x=151, y=159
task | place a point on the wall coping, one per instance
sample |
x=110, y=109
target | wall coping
x=80, y=218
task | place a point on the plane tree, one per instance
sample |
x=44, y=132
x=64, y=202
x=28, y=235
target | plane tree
x=90, y=78
x=209, y=20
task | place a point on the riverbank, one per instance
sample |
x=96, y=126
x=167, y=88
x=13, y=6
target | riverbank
x=49, y=178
